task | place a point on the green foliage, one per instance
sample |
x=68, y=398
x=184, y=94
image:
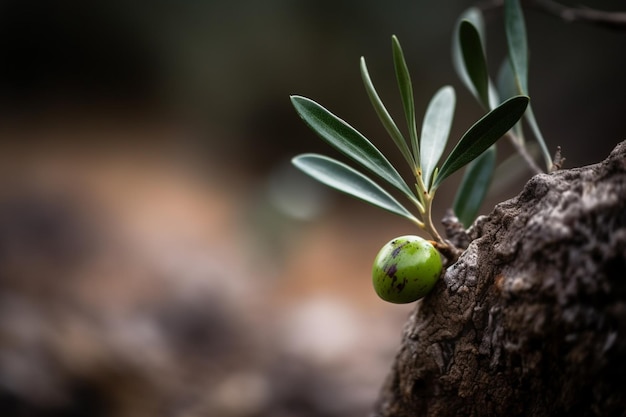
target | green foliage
x=474, y=61
x=474, y=186
x=384, y=116
x=435, y=131
x=515, y=30
x=427, y=150
x=469, y=57
x=348, y=140
x=470, y=62
x=482, y=135
x=505, y=104
x=338, y=175
x=406, y=92
x=518, y=55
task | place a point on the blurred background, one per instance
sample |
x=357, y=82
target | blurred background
x=159, y=256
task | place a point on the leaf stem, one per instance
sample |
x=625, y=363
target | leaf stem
x=444, y=246
x=428, y=222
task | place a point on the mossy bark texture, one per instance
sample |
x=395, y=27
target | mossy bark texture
x=531, y=320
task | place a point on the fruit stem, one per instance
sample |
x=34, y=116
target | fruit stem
x=428, y=221
x=445, y=247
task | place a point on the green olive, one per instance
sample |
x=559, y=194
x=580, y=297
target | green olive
x=406, y=269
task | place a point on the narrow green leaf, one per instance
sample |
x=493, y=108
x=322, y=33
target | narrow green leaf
x=406, y=92
x=515, y=30
x=474, y=186
x=474, y=60
x=530, y=118
x=507, y=87
x=384, y=116
x=341, y=177
x=348, y=140
x=474, y=16
x=435, y=131
x=482, y=135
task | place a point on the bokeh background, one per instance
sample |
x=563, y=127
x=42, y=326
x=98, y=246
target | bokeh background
x=159, y=256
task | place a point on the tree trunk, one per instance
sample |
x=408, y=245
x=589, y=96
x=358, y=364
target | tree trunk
x=531, y=320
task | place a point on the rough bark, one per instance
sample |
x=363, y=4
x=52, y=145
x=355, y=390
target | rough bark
x=531, y=320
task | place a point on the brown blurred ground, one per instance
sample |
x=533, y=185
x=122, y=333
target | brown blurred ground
x=158, y=256
x=131, y=286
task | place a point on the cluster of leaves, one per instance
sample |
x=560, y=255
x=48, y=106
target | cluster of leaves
x=423, y=151
x=469, y=57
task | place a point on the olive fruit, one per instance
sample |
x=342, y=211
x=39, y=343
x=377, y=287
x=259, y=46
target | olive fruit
x=406, y=269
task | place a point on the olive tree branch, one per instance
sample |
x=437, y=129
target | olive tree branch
x=610, y=20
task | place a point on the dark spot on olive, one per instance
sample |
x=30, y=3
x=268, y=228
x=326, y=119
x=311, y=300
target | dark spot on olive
x=393, y=279
x=397, y=250
x=391, y=270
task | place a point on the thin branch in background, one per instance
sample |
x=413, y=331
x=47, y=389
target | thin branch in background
x=609, y=20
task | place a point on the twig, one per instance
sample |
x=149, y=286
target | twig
x=609, y=20
x=558, y=160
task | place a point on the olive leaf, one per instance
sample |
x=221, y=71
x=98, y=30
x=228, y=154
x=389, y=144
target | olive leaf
x=516, y=41
x=506, y=83
x=406, y=92
x=384, y=116
x=482, y=135
x=474, y=60
x=474, y=16
x=508, y=88
x=532, y=122
x=469, y=57
x=435, y=131
x=474, y=186
x=341, y=177
x=515, y=30
x=348, y=140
